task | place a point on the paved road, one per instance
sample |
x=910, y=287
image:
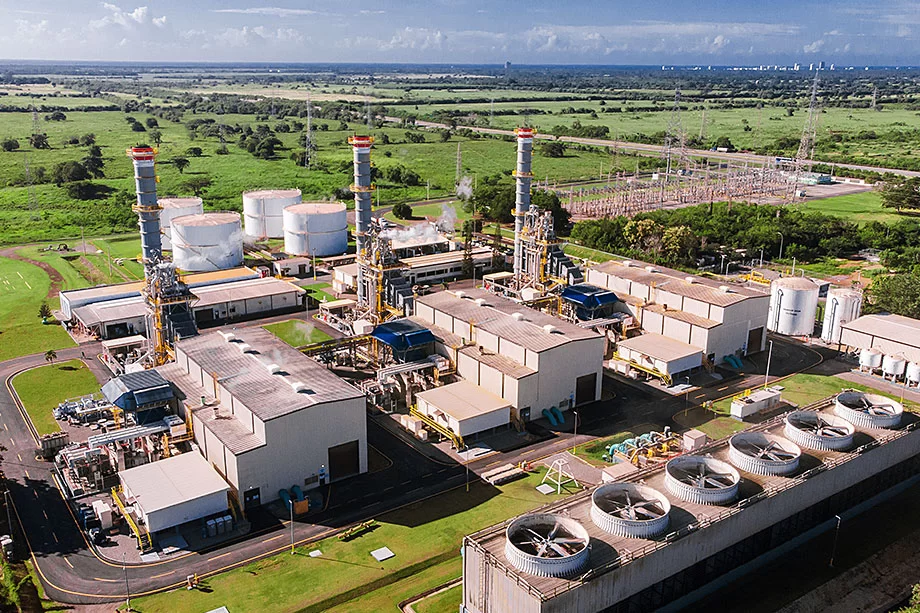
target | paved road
x=737, y=156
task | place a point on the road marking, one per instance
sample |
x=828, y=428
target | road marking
x=220, y=556
x=19, y=456
x=163, y=575
x=389, y=488
x=107, y=580
x=68, y=563
x=699, y=396
x=273, y=538
x=55, y=537
x=27, y=474
x=406, y=482
x=722, y=389
x=45, y=513
x=13, y=441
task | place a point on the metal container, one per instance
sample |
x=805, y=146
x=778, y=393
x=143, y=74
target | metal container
x=843, y=306
x=176, y=207
x=870, y=358
x=263, y=211
x=913, y=372
x=793, y=305
x=894, y=365
x=210, y=241
x=315, y=228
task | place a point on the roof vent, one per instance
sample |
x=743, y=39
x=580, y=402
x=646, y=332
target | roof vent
x=480, y=302
x=460, y=294
x=228, y=336
x=517, y=316
x=301, y=388
x=273, y=368
x=245, y=347
x=550, y=328
x=725, y=289
x=627, y=263
x=650, y=269
x=690, y=280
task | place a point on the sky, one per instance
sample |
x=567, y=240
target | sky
x=717, y=32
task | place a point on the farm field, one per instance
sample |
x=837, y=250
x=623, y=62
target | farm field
x=422, y=535
x=43, y=388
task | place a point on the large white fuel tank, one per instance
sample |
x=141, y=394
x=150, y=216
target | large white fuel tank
x=210, y=241
x=793, y=305
x=315, y=228
x=843, y=306
x=263, y=211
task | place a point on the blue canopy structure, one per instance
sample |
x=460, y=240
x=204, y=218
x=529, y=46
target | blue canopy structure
x=589, y=301
x=138, y=390
x=403, y=336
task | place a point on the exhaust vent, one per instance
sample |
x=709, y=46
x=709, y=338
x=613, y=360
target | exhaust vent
x=480, y=302
x=517, y=316
x=273, y=368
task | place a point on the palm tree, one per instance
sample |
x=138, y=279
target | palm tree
x=50, y=356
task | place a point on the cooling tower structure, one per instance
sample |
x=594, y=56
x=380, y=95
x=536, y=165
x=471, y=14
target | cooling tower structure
x=315, y=229
x=523, y=178
x=843, y=306
x=793, y=305
x=547, y=545
x=170, y=208
x=210, y=241
x=363, y=190
x=263, y=211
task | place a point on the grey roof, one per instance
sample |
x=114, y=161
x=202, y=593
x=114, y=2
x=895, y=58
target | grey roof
x=110, y=311
x=246, y=375
x=495, y=317
x=135, y=389
x=463, y=400
x=660, y=347
x=173, y=481
x=888, y=326
x=674, y=281
x=230, y=431
x=243, y=290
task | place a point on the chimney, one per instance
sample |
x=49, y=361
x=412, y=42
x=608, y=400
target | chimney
x=523, y=177
x=362, y=189
x=147, y=207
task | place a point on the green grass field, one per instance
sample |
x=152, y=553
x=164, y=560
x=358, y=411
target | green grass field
x=859, y=208
x=720, y=427
x=421, y=535
x=23, y=287
x=297, y=333
x=43, y=388
x=61, y=262
x=386, y=598
x=447, y=601
x=594, y=451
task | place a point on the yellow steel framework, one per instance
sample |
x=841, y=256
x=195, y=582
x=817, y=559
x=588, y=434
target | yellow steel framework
x=654, y=372
x=455, y=438
x=143, y=537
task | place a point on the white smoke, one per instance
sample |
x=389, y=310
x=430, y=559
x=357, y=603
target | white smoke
x=418, y=234
x=447, y=222
x=465, y=188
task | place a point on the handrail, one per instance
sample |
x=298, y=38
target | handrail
x=456, y=439
x=142, y=537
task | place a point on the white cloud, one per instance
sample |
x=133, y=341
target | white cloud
x=834, y=33
x=159, y=21
x=116, y=16
x=814, y=47
x=422, y=39
x=718, y=42
x=247, y=36
x=370, y=12
x=271, y=11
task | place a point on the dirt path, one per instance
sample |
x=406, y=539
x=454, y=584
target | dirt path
x=57, y=281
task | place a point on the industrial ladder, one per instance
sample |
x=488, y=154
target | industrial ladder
x=143, y=538
x=456, y=439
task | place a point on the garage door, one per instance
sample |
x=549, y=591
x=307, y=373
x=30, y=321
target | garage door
x=585, y=387
x=755, y=338
x=343, y=460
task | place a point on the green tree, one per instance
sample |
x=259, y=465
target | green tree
x=899, y=294
x=156, y=136
x=88, y=140
x=553, y=149
x=643, y=234
x=9, y=144
x=67, y=172
x=195, y=152
x=198, y=185
x=180, y=163
x=151, y=122
x=44, y=311
x=678, y=244
x=39, y=141
x=402, y=210
x=50, y=356
x=904, y=195
x=94, y=166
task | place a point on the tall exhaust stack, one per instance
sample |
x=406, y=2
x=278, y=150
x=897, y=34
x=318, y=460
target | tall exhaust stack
x=523, y=177
x=362, y=189
x=147, y=207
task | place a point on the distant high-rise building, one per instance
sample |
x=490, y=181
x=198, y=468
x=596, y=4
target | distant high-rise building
x=832, y=67
x=796, y=66
x=811, y=67
x=821, y=65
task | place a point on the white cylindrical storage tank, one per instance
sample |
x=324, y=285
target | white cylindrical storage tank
x=176, y=207
x=913, y=372
x=315, y=228
x=870, y=358
x=210, y=241
x=263, y=211
x=894, y=365
x=843, y=306
x=793, y=305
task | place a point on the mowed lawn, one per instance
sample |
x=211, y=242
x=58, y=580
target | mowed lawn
x=43, y=388
x=859, y=208
x=23, y=287
x=421, y=535
x=447, y=601
x=297, y=333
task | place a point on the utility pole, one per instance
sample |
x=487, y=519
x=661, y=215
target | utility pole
x=766, y=376
x=292, y=526
x=459, y=168
x=124, y=565
x=33, y=198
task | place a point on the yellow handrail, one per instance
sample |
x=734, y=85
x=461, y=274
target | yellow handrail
x=142, y=537
x=456, y=439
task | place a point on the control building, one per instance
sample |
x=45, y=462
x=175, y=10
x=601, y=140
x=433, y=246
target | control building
x=266, y=416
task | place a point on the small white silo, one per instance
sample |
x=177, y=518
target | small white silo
x=843, y=306
x=176, y=207
x=263, y=211
x=210, y=241
x=793, y=306
x=315, y=228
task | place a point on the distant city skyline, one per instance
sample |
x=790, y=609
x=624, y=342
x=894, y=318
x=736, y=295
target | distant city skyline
x=718, y=32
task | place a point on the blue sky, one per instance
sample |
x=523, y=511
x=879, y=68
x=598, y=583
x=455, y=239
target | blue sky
x=465, y=31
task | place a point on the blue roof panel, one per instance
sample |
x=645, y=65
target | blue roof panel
x=589, y=296
x=402, y=334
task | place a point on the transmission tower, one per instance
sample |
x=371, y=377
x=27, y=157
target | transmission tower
x=674, y=138
x=459, y=167
x=874, y=106
x=308, y=139
x=33, y=197
x=367, y=110
x=810, y=131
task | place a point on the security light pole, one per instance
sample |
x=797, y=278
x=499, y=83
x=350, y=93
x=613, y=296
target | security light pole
x=575, y=434
x=292, y=527
x=766, y=377
x=124, y=565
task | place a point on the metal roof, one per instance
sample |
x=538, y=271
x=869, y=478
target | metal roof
x=886, y=325
x=495, y=316
x=463, y=400
x=248, y=378
x=243, y=290
x=111, y=311
x=173, y=481
x=695, y=320
x=674, y=281
x=660, y=347
x=197, y=279
x=448, y=257
x=137, y=389
x=402, y=334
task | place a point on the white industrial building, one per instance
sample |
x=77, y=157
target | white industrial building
x=174, y=491
x=215, y=304
x=422, y=269
x=660, y=353
x=266, y=416
x=530, y=359
x=720, y=320
x=464, y=408
x=886, y=333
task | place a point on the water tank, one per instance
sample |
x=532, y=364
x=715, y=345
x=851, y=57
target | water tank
x=318, y=228
x=894, y=365
x=870, y=359
x=210, y=241
x=843, y=306
x=176, y=207
x=913, y=372
x=263, y=211
x=793, y=304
